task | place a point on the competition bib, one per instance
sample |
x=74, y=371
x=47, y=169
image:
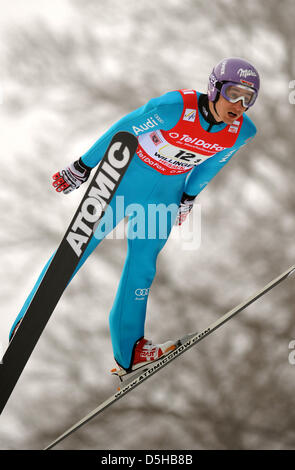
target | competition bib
x=187, y=144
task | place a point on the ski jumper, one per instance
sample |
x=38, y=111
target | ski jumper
x=176, y=153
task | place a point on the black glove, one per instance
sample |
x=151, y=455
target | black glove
x=71, y=177
x=185, y=206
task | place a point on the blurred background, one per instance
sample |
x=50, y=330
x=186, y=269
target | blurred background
x=68, y=70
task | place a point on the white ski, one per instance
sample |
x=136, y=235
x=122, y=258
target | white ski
x=184, y=344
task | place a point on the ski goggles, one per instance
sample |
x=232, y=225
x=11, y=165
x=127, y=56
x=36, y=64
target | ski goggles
x=233, y=92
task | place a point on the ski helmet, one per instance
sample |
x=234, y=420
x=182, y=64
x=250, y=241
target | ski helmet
x=233, y=71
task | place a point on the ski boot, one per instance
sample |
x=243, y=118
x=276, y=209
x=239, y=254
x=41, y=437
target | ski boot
x=144, y=354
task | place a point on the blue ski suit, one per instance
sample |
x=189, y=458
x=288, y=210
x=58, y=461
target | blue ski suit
x=178, y=152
